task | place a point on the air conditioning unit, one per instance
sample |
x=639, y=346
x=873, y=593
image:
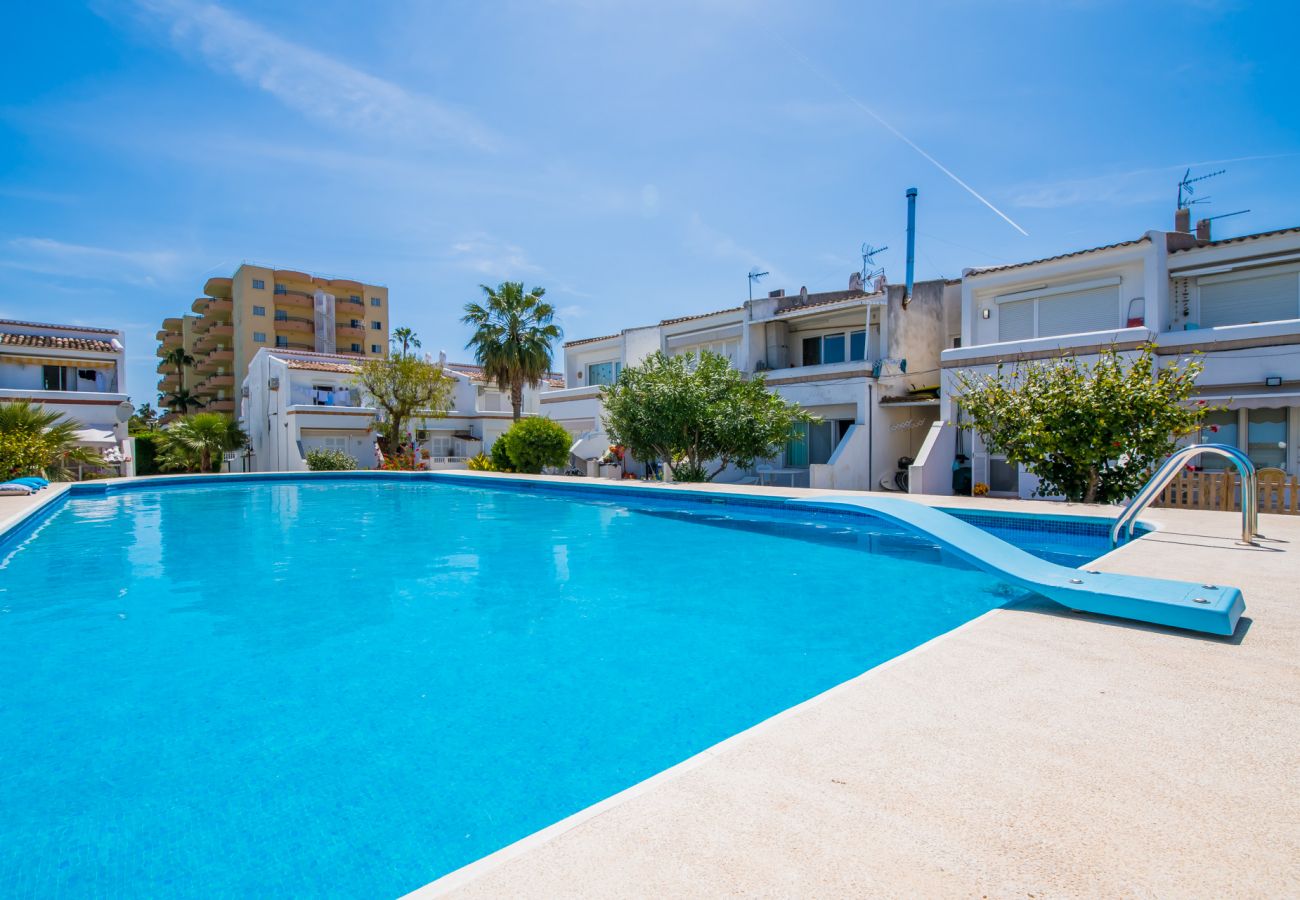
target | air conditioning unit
x=243, y=391
x=274, y=384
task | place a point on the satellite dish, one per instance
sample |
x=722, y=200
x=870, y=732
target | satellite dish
x=803, y=294
x=125, y=411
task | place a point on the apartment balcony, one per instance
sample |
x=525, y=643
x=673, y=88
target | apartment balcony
x=224, y=405
x=286, y=324
x=218, y=287
x=220, y=309
x=215, y=335
x=346, y=307
x=214, y=383
x=284, y=344
x=168, y=382
x=220, y=356
x=167, y=340
x=294, y=301
x=350, y=332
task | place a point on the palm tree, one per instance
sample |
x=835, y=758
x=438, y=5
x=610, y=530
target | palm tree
x=182, y=401
x=180, y=359
x=37, y=441
x=406, y=337
x=193, y=442
x=512, y=338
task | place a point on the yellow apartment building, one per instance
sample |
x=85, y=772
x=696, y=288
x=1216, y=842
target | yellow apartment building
x=263, y=307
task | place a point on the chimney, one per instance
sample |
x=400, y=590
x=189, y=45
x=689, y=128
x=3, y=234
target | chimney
x=911, y=243
x=1183, y=220
x=442, y=357
x=1203, y=230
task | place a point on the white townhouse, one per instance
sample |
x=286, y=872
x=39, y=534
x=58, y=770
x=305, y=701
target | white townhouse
x=74, y=370
x=1236, y=301
x=295, y=401
x=866, y=362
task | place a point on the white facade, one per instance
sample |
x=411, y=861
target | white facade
x=74, y=370
x=865, y=363
x=1236, y=301
x=296, y=401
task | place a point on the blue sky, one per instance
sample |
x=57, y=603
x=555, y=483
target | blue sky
x=635, y=159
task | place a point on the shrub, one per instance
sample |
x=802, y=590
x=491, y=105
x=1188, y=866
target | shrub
x=535, y=443
x=147, y=447
x=480, y=463
x=330, y=461
x=500, y=457
x=36, y=441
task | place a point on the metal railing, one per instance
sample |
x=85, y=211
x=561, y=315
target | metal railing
x=1170, y=470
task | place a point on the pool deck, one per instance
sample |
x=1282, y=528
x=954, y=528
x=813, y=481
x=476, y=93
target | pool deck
x=1031, y=752
x=1028, y=753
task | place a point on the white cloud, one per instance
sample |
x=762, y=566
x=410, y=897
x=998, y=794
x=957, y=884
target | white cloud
x=46, y=256
x=708, y=241
x=497, y=259
x=316, y=85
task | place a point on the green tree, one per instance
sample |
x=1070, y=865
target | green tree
x=143, y=419
x=180, y=358
x=197, y=442
x=513, y=333
x=403, y=386
x=181, y=401
x=535, y=443
x=406, y=338
x=1091, y=432
x=37, y=441
x=696, y=412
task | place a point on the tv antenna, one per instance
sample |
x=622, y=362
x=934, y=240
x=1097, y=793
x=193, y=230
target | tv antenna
x=755, y=275
x=1185, y=189
x=869, y=268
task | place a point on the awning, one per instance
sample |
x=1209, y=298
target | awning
x=66, y=361
x=97, y=436
x=1251, y=401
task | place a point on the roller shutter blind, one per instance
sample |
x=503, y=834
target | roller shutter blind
x=1016, y=320
x=1241, y=301
x=1079, y=312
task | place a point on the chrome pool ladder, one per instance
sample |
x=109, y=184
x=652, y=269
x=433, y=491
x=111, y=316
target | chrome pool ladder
x=1170, y=469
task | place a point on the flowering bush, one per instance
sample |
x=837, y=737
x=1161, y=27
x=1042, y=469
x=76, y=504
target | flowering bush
x=480, y=463
x=980, y=489
x=330, y=461
x=401, y=461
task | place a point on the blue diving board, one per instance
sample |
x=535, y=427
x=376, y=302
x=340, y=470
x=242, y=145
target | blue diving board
x=1179, y=604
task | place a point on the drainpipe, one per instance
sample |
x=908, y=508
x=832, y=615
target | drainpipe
x=911, y=243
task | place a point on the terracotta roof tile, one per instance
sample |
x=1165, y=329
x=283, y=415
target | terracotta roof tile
x=1236, y=240
x=590, y=340
x=984, y=270
x=313, y=365
x=55, y=342
x=50, y=325
x=716, y=312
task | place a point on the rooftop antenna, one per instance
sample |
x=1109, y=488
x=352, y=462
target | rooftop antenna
x=1185, y=189
x=755, y=275
x=869, y=268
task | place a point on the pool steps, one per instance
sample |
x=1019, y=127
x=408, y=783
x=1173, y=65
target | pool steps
x=1213, y=609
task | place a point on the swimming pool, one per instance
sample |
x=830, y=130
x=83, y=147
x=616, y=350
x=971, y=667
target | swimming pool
x=354, y=686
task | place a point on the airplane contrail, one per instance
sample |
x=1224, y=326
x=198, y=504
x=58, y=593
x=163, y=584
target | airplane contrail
x=831, y=80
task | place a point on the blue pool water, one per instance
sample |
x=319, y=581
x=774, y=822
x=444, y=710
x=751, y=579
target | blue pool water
x=351, y=688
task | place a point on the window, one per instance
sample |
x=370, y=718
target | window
x=259, y=337
x=1069, y=309
x=1266, y=438
x=54, y=378
x=376, y=326
x=281, y=289
x=814, y=446
x=858, y=344
x=259, y=310
x=603, y=373
x=259, y=284
x=830, y=348
x=374, y=348
x=281, y=316
x=1233, y=300
x=833, y=348
x=356, y=348
x=356, y=323
x=1220, y=427
x=281, y=341
x=374, y=301
x=1004, y=477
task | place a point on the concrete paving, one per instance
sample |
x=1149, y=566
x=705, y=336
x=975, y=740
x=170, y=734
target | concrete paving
x=1031, y=753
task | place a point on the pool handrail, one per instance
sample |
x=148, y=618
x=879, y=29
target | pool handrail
x=1169, y=470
